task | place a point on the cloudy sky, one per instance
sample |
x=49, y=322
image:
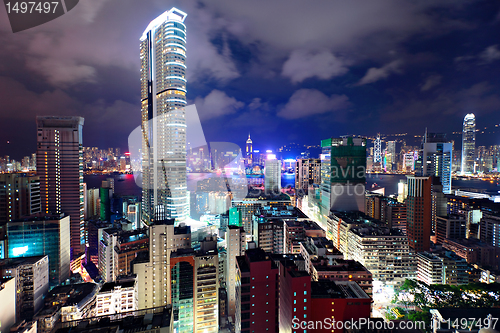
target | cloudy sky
x=285, y=71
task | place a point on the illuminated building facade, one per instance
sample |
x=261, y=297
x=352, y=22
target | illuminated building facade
x=272, y=175
x=59, y=164
x=468, y=144
x=249, y=151
x=419, y=212
x=435, y=159
x=163, y=118
x=40, y=236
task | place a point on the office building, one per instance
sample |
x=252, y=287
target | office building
x=343, y=175
x=40, y=236
x=235, y=245
x=32, y=283
x=153, y=269
x=8, y=303
x=59, y=164
x=419, y=212
x=163, y=98
x=272, y=175
x=257, y=293
x=441, y=268
x=92, y=201
x=451, y=227
x=469, y=144
x=19, y=196
x=435, y=159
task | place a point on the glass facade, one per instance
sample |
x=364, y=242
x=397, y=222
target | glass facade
x=49, y=237
x=183, y=296
x=163, y=124
x=468, y=144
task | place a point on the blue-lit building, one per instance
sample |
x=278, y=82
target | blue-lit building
x=42, y=235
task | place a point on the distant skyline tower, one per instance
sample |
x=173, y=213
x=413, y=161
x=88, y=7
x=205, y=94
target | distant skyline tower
x=377, y=155
x=249, y=151
x=59, y=164
x=468, y=144
x=163, y=124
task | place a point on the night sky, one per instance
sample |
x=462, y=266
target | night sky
x=285, y=71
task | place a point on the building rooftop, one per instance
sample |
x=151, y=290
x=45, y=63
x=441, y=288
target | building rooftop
x=374, y=230
x=353, y=217
x=44, y=217
x=134, y=321
x=322, y=264
x=13, y=262
x=71, y=294
x=273, y=212
x=110, y=286
x=336, y=289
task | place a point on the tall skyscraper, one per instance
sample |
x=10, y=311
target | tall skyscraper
x=468, y=144
x=419, y=212
x=343, y=174
x=272, y=174
x=377, y=155
x=59, y=164
x=163, y=124
x=435, y=159
x=249, y=151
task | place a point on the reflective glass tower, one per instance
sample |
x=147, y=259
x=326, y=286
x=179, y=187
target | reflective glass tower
x=468, y=144
x=163, y=122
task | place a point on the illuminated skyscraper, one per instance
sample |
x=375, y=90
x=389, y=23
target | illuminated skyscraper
x=59, y=164
x=163, y=125
x=272, y=174
x=249, y=151
x=468, y=144
x=377, y=155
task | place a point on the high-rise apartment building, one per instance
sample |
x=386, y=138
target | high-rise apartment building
x=419, y=212
x=59, y=164
x=235, y=244
x=307, y=172
x=468, y=144
x=257, y=293
x=153, y=272
x=32, y=282
x=163, y=118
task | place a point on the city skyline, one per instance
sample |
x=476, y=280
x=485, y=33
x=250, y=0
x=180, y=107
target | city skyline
x=246, y=77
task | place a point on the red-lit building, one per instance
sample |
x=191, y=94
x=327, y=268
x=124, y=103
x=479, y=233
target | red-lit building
x=339, y=301
x=295, y=296
x=257, y=294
